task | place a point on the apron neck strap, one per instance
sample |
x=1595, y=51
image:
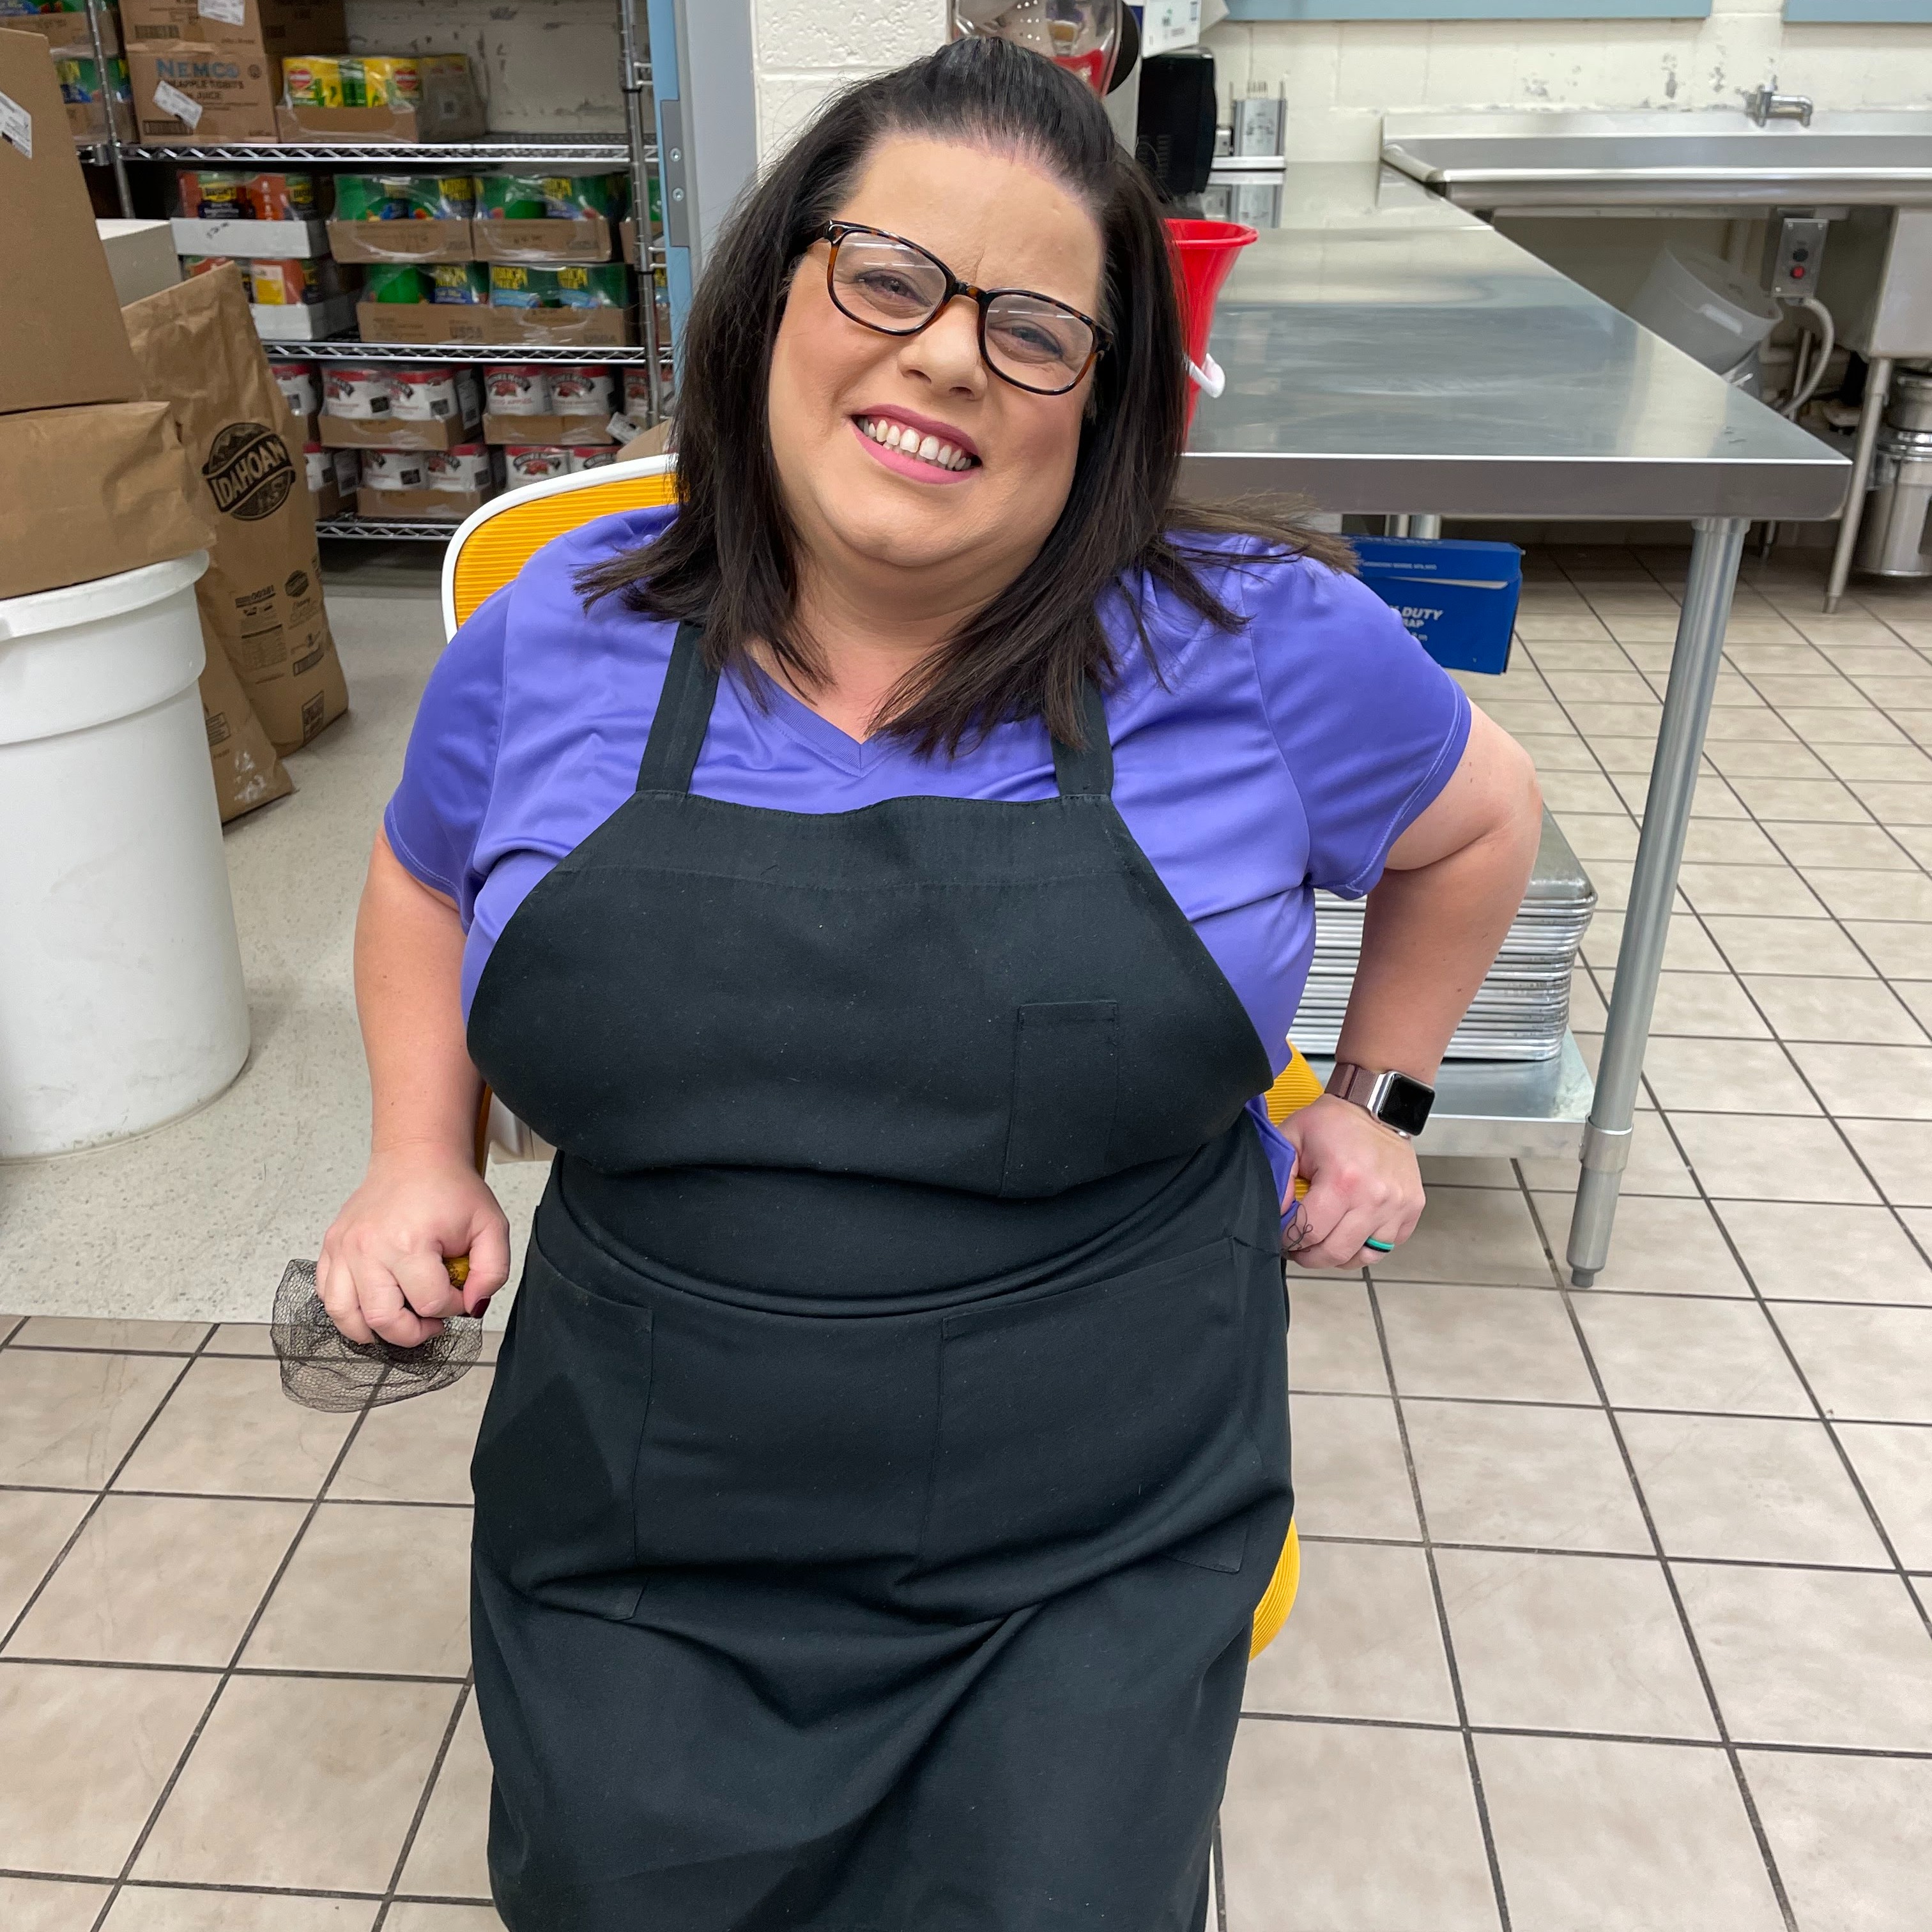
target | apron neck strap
x=1089, y=772
x=683, y=716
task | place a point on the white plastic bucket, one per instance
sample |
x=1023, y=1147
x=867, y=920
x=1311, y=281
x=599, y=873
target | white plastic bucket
x=1699, y=302
x=121, y=1002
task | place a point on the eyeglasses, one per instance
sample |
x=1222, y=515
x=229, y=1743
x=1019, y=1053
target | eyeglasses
x=886, y=283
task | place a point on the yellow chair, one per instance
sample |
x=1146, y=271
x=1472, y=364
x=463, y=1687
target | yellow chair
x=486, y=553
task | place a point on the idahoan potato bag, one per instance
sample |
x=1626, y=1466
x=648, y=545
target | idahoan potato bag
x=261, y=600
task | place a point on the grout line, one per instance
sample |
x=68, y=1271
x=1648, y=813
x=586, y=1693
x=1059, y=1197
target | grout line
x=1615, y=1556
x=1462, y=1725
x=1627, y=1408
x=1218, y=1865
x=422, y=1806
x=1670, y=1584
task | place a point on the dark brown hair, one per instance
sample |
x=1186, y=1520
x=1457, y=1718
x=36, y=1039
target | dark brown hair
x=727, y=559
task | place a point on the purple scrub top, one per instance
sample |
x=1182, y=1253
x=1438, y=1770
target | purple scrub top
x=1254, y=767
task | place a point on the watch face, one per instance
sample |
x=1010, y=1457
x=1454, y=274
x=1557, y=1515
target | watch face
x=1406, y=1104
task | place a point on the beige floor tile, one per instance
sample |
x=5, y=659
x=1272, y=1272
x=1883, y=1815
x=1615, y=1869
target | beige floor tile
x=1473, y=1234
x=86, y=1753
x=1768, y=1157
x=1660, y=1246
x=1655, y=1166
x=1828, y=848
x=1565, y=792
x=157, y=1908
x=1730, y=841
x=67, y=1420
x=1836, y=693
x=1848, y=1836
x=1513, y=1344
x=229, y=1429
x=1803, y=1251
x=1587, y=1011
x=306, y=1783
x=1874, y=894
x=1686, y=947
x=1739, y=1486
x=1900, y=950
x=1670, y=1351
x=1573, y=688
x=1352, y=1828
x=1815, y=947
x=1511, y=1473
x=44, y=1905
x=416, y=1451
x=1894, y=1464
x=34, y=1525
x=1724, y=1076
x=413, y=1561
x=1350, y=1476
x=1363, y=1641
x=1571, y=624
x=1820, y=725
x=1891, y=764
x=1771, y=892
x=1637, y=720
x=1595, y=836
x=240, y=1338
x=1822, y=1656
x=1869, y=1364
x=1331, y=1338
x=1524, y=715
x=1872, y=1082
x=1821, y=1008
x=1741, y=718
x=1570, y=1643
x=1750, y=759
x=1623, y=1838
x=1774, y=800
x=1561, y=750
x=68, y=1331
x=418, y=1916
x=1916, y=839
x=1713, y=798
x=1917, y=995
x=1899, y=1153
x=1712, y=1006
x=1895, y=801
x=447, y=1860
x=1453, y=1171
x=160, y=1580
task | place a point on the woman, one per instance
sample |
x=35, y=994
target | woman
x=888, y=883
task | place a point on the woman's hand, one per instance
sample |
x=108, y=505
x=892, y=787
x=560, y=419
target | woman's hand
x=1363, y=1182
x=381, y=1270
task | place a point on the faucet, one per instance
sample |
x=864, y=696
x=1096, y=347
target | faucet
x=1765, y=104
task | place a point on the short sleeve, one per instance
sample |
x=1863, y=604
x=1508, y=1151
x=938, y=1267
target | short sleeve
x=1370, y=726
x=435, y=815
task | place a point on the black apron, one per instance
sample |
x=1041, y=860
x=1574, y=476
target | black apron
x=890, y=1444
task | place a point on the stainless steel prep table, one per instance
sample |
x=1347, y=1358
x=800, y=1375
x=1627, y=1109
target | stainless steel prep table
x=1386, y=352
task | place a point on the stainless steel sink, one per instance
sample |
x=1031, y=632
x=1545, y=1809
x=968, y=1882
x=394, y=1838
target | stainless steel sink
x=1536, y=160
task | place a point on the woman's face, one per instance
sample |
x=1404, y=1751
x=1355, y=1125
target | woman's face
x=996, y=222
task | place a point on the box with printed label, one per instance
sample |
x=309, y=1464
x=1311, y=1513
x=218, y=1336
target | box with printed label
x=428, y=506
x=64, y=27
x=274, y=27
x=196, y=90
x=1456, y=596
x=429, y=323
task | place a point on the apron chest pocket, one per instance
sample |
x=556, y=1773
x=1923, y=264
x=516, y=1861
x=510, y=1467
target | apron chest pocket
x=555, y=1467
x=1066, y=1081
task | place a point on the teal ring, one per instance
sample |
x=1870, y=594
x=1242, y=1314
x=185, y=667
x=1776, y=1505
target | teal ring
x=1381, y=1247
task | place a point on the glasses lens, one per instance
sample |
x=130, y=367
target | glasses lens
x=1037, y=343
x=885, y=283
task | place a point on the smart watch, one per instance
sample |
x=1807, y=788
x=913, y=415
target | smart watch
x=1393, y=1099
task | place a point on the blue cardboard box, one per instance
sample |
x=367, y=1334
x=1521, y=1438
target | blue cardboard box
x=1457, y=597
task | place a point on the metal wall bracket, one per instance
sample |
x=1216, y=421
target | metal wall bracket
x=677, y=176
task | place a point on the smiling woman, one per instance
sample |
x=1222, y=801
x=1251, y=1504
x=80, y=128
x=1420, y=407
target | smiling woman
x=888, y=880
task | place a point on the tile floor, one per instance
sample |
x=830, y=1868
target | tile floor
x=1617, y=1607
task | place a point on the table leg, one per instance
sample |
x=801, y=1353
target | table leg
x=1422, y=526
x=1715, y=550
x=1878, y=385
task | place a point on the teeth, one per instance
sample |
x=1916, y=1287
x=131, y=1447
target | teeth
x=928, y=448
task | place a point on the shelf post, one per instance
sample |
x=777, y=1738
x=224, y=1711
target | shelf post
x=113, y=122
x=637, y=82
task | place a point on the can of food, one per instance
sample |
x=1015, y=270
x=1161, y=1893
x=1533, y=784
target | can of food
x=314, y=80
x=458, y=282
x=211, y=194
x=465, y=467
x=591, y=285
x=394, y=282
x=394, y=469
x=276, y=284
x=281, y=197
x=513, y=285
x=511, y=198
x=583, y=389
x=424, y=395
x=591, y=456
x=527, y=462
x=357, y=391
x=441, y=197
x=516, y=389
x=386, y=80
x=637, y=392
x=372, y=197
x=299, y=388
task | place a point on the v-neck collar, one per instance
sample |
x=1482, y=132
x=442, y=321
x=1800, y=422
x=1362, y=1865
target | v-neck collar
x=818, y=735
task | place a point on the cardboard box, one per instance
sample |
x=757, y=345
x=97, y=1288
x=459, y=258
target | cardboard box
x=1457, y=596
x=303, y=322
x=583, y=429
x=583, y=238
x=60, y=323
x=140, y=256
x=87, y=120
x=442, y=506
x=67, y=31
x=349, y=432
x=466, y=323
x=93, y=490
x=198, y=90
x=277, y=27
x=273, y=241
x=443, y=238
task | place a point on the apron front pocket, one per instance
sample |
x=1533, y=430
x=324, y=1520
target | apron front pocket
x=1065, y=1082
x=555, y=1467
x=1064, y=1418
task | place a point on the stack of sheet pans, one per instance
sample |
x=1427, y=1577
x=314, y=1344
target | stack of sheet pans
x=1521, y=1010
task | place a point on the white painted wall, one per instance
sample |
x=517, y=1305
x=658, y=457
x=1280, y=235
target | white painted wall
x=807, y=49
x=1343, y=76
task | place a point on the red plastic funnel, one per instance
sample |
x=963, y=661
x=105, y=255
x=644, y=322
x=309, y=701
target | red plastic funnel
x=1204, y=254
